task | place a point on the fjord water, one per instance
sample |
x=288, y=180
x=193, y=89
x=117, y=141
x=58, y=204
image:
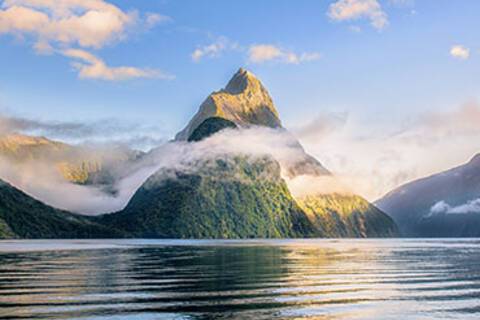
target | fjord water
x=255, y=279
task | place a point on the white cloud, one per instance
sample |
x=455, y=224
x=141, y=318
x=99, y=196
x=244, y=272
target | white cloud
x=214, y=49
x=91, y=67
x=86, y=23
x=60, y=25
x=472, y=206
x=261, y=53
x=344, y=10
x=460, y=52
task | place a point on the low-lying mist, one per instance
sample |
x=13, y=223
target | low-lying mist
x=40, y=177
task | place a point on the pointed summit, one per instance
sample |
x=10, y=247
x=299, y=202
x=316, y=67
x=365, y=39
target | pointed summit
x=244, y=101
x=241, y=81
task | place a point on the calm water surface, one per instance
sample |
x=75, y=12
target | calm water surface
x=307, y=279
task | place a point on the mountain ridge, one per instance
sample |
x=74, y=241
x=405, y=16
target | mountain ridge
x=410, y=205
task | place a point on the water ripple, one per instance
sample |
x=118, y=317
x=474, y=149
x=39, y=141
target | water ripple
x=314, y=279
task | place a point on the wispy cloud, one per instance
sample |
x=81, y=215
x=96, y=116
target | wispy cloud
x=214, y=49
x=91, y=67
x=112, y=131
x=346, y=10
x=261, y=53
x=153, y=19
x=463, y=120
x=460, y=52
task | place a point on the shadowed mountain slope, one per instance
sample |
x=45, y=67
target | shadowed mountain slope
x=441, y=205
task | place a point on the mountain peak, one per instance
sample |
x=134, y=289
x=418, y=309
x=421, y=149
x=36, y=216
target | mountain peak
x=240, y=81
x=244, y=101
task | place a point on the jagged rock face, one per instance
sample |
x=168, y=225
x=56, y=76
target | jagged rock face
x=410, y=205
x=244, y=101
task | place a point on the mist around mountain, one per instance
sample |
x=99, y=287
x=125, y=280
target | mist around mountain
x=233, y=172
x=241, y=188
x=446, y=204
x=76, y=164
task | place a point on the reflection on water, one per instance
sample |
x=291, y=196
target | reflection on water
x=308, y=279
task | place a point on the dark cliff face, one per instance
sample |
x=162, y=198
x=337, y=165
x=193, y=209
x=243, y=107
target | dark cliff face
x=412, y=205
x=210, y=126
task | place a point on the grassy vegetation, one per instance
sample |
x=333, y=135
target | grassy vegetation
x=338, y=215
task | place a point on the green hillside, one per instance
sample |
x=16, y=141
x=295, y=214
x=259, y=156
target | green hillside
x=21, y=216
x=340, y=216
x=224, y=198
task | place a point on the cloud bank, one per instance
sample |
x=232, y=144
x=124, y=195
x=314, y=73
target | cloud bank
x=40, y=178
x=375, y=157
x=106, y=131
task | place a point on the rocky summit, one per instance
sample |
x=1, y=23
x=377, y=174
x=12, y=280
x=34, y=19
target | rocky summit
x=244, y=101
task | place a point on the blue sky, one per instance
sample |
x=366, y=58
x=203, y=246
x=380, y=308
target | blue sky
x=386, y=64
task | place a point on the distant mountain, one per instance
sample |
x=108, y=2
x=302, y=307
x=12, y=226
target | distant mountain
x=77, y=164
x=21, y=216
x=237, y=196
x=446, y=204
